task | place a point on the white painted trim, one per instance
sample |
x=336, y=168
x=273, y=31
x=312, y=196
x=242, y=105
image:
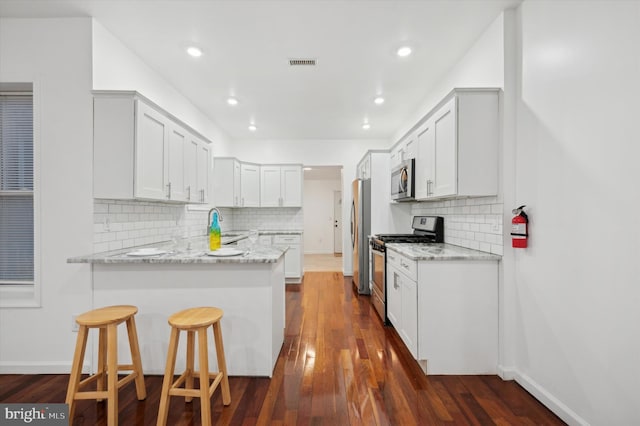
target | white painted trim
x=51, y=367
x=29, y=296
x=506, y=373
x=319, y=252
x=549, y=400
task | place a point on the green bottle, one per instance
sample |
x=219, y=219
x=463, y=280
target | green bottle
x=214, y=233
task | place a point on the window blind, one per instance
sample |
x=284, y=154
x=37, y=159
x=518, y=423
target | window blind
x=16, y=189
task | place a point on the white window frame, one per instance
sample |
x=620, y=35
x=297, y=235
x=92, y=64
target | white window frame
x=29, y=295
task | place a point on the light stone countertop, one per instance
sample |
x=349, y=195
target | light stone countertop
x=191, y=251
x=229, y=237
x=439, y=251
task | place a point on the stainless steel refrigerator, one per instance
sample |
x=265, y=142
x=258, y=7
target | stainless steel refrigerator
x=360, y=230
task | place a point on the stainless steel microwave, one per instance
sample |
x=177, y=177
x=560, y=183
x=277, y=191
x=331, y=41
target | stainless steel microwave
x=403, y=181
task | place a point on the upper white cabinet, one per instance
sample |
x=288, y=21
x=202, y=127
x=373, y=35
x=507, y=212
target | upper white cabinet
x=249, y=185
x=281, y=186
x=457, y=147
x=226, y=182
x=151, y=153
x=364, y=168
x=142, y=152
x=238, y=184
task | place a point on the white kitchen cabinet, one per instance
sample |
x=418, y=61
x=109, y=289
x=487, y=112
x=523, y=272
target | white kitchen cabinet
x=445, y=312
x=457, y=147
x=191, y=170
x=281, y=186
x=424, y=160
x=458, y=316
x=141, y=151
x=226, y=182
x=151, y=140
x=402, y=299
x=203, y=160
x=394, y=296
x=176, y=164
x=293, y=258
x=249, y=185
x=364, y=168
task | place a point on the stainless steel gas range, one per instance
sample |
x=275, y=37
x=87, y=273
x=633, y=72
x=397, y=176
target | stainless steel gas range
x=426, y=229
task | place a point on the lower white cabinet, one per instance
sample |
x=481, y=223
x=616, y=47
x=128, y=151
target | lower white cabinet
x=402, y=301
x=293, y=258
x=445, y=312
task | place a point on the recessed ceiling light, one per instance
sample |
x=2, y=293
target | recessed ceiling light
x=252, y=127
x=232, y=101
x=194, y=51
x=404, y=51
x=366, y=126
x=379, y=100
x=307, y=168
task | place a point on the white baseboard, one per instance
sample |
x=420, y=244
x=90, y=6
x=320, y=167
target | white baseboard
x=53, y=367
x=546, y=398
x=506, y=373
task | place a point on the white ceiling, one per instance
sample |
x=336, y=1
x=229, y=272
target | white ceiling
x=247, y=45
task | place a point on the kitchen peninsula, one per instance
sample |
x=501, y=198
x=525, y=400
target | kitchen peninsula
x=249, y=288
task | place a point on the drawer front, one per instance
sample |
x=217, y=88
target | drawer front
x=406, y=266
x=286, y=239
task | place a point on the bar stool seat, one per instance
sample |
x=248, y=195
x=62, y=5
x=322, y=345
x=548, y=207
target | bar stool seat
x=195, y=320
x=106, y=320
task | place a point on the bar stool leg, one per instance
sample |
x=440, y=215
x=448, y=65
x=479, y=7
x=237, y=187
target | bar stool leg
x=205, y=400
x=190, y=355
x=76, y=369
x=112, y=374
x=141, y=391
x=167, y=382
x=222, y=364
x=101, y=384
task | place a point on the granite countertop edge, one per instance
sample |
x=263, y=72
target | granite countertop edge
x=196, y=255
x=440, y=251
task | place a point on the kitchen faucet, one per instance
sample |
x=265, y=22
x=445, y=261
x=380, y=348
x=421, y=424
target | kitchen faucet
x=209, y=218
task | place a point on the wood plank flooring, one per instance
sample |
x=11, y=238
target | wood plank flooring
x=338, y=366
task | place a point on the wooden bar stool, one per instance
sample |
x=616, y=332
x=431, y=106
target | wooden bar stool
x=195, y=320
x=107, y=320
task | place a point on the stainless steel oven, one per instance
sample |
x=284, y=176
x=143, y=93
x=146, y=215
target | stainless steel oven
x=426, y=229
x=378, y=296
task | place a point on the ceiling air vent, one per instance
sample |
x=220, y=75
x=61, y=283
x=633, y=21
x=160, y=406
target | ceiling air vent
x=301, y=62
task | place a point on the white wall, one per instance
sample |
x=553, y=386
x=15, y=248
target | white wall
x=116, y=67
x=577, y=295
x=318, y=214
x=345, y=153
x=55, y=54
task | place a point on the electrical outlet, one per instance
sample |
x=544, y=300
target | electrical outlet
x=74, y=325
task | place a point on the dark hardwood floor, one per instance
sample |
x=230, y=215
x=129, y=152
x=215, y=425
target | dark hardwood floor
x=338, y=366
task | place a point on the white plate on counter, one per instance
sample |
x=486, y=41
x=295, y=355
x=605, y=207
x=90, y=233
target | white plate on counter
x=147, y=252
x=225, y=252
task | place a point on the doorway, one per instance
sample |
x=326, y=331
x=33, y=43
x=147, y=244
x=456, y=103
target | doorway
x=322, y=207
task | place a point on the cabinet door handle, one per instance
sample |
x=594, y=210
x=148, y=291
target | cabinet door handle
x=169, y=191
x=189, y=193
x=395, y=280
x=242, y=201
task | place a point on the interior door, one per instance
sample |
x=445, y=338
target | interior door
x=337, y=221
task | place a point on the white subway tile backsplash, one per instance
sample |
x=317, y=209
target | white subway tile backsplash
x=474, y=223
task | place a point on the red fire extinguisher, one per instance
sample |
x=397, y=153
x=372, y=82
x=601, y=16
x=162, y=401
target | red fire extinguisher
x=519, y=228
